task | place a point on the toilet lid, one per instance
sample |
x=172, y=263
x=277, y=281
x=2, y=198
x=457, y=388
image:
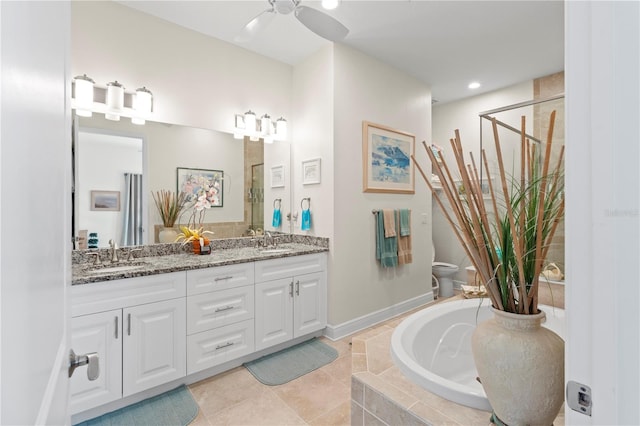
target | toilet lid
x=446, y=265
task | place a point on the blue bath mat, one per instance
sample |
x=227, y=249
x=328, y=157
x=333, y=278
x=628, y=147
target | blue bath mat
x=291, y=363
x=174, y=408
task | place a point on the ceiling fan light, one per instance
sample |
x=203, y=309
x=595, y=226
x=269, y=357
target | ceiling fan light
x=330, y=4
x=285, y=7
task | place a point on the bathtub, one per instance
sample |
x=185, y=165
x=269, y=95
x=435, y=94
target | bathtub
x=432, y=348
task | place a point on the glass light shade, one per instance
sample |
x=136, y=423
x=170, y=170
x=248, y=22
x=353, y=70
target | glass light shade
x=281, y=128
x=329, y=4
x=142, y=105
x=115, y=101
x=250, y=122
x=84, y=95
x=265, y=125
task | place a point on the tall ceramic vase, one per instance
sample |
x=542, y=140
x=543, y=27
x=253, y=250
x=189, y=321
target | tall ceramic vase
x=167, y=235
x=521, y=367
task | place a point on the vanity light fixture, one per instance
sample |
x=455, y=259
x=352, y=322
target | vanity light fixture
x=111, y=100
x=115, y=101
x=248, y=125
x=84, y=95
x=142, y=104
x=281, y=129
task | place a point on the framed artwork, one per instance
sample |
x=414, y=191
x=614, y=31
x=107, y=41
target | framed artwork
x=311, y=171
x=201, y=182
x=386, y=159
x=277, y=176
x=106, y=201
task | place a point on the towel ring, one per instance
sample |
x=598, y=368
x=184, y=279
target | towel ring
x=279, y=201
x=308, y=200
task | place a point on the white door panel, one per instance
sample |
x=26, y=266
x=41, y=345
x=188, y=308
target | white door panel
x=35, y=230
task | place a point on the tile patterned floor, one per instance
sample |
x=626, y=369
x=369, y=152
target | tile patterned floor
x=320, y=398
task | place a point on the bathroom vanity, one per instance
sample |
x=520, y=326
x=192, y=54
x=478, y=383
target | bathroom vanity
x=160, y=321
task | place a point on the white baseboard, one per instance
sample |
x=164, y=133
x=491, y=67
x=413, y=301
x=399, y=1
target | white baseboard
x=336, y=332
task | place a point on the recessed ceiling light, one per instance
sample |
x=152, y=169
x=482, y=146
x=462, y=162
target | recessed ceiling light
x=474, y=85
x=329, y=4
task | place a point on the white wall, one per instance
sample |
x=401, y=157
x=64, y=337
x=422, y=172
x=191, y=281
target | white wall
x=463, y=115
x=366, y=89
x=313, y=89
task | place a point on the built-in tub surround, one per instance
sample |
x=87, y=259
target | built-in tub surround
x=165, y=258
x=381, y=394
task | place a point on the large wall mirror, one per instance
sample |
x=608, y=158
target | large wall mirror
x=117, y=166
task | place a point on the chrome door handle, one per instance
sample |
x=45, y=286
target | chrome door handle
x=298, y=288
x=291, y=289
x=90, y=360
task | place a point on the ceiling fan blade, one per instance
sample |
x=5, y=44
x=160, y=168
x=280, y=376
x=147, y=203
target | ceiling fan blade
x=321, y=23
x=255, y=25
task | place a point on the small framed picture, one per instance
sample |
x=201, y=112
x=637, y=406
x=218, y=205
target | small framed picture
x=277, y=176
x=107, y=201
x=311, y=171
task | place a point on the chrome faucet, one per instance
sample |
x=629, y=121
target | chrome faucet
x=113, y=251
x=267, y=240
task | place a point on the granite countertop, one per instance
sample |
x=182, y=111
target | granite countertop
x=86, y=272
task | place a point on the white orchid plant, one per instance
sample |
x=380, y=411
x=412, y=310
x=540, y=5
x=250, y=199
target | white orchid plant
x=207, y=195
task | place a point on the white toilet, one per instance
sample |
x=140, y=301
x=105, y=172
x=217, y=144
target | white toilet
x=444, y=274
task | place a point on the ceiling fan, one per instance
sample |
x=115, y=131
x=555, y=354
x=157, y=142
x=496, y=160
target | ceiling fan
x=319, y=22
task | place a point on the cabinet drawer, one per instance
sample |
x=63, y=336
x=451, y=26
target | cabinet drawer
x=214, y=347
x=116, y=294
x=210, y=310
x=219, y=278
x=274, y=269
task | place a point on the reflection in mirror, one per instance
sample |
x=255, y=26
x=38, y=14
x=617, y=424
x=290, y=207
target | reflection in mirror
x=105, y=151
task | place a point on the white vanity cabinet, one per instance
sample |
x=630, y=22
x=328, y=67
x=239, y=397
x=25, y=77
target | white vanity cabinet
x=138, y=328
x=220, y=314
x=291, y=298
x=101, y=333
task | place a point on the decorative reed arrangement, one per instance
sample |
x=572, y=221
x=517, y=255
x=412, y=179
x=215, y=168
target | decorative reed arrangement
x=508, y=252
x=169, y=205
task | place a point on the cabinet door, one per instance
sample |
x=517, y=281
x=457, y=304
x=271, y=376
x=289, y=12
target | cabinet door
x=274, y=312
x=154, y=345
x=101, y=333
x=310, y=305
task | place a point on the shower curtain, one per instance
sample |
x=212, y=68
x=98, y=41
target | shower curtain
x=132, y=209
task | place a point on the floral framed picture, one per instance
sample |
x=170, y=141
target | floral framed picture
x=106, y=201
x=386, y=159
x=311, y=171
x=201, y=185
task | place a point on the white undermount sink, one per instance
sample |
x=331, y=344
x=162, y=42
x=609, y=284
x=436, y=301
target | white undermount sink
x=115, y=268
x=275, y=250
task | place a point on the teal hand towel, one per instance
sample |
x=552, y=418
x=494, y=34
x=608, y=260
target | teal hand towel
x=277, y=218
x=386, y=248
x=305, y=224
x=405, y=222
